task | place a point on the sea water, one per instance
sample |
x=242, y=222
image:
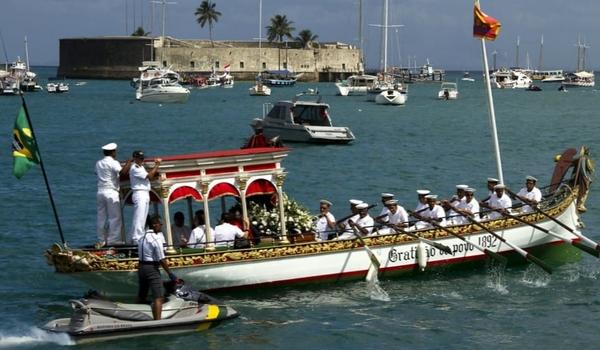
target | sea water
x=427, y=143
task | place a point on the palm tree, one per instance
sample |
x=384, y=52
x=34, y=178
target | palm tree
x=306, y=38
x=206, y=13
x=280, y=27
x=140, y=32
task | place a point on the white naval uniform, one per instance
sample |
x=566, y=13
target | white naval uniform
x=366, y=223
x=400, y=216
x=535, y=195
x=455, y=218
x=322, y=229
x=108, y=201
x=503, y=202
x=140, y=185
x=473, y=207
x=435, y=213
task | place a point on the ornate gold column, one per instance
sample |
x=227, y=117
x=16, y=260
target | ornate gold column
x=242, y=183
x=279, y=179
x=164, y=196
x=210, y=241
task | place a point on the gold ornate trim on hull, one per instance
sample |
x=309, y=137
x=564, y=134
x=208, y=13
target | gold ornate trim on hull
x=67, y=260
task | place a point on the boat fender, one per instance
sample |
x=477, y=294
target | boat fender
x=421, y=256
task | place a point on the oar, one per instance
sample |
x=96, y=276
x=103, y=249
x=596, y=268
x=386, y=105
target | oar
x=374, y=260
x=516, y=248
x=581, y=246
x=487, y=252
x=437, y=245
x=562, y=224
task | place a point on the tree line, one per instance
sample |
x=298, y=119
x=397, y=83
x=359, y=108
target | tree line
x=280, y=26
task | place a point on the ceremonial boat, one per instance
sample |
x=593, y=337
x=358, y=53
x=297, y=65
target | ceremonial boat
x=290, y=258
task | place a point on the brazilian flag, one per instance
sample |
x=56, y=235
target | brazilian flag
x=24, y=147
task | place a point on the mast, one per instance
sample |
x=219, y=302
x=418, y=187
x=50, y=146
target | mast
x=541, y=53
x=259, y=35
x=26, y=54
x=517, y=58
x=360, y=34
x=385, y=33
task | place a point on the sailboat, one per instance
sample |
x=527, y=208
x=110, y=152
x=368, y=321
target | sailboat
x=259, y=89
x=159, y=84
x=393, y=92
x=581, y=77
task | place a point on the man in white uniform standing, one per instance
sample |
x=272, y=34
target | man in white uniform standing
x=530, y=193
x=140, y=185
x=108, y=170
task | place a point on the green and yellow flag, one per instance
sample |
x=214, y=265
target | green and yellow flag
x=24, y=147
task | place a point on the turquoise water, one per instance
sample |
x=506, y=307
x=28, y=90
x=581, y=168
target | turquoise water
x=427, y=143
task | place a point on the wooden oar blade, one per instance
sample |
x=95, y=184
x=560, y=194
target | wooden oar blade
x=443, y=248
x=500, y=258
x=586, y=249
x=539, y=263
x=373, y=257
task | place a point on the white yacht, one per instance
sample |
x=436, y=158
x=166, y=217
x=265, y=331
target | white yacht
x=510, y=79
x=301, y=121
x=161, y=90
x=356, y=84
x=467, y=77
x=580, y=79
x=397, y=94
x=448, y=91
x=60, y=87
x=259, y=89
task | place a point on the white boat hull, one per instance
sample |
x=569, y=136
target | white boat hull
x=165, y=94
x=336, y=260
x=260, y=90
x=313, y=134
x=452, y=95
x=391, y=97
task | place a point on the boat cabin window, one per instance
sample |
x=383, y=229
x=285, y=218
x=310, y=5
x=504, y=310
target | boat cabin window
x=311, y=115
x=279, y=112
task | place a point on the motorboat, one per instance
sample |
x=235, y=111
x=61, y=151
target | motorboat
x=96, y=318
x=553, y=79
x=259, y=89
x=448, y=91
x=282, y=77
x=510, y=79
x=161, y=90
x=395, y=95
x=467, y=77
x=301, y=121
x=59, y=87
x=533, y=87
x=580, y=79
x=356, y=84
x=224, y=80
x=548, y=76
x=153, y=70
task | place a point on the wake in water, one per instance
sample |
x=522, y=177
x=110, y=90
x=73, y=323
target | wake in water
x=32, y=337
x=496, y=278
x=375, y=291
x=535, y=277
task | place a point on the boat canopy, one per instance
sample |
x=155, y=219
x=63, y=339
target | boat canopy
x=584, y=74
x=302, y=113
x=202, y=177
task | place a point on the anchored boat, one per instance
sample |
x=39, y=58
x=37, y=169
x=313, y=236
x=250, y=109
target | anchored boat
x=289, y=258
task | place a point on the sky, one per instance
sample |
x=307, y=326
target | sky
x=437, y=30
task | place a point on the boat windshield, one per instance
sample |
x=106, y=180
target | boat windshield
x=311, y=115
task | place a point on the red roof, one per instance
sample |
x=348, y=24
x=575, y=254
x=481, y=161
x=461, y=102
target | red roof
x=221, y=154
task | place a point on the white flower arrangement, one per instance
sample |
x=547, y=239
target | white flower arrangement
x=298, y=218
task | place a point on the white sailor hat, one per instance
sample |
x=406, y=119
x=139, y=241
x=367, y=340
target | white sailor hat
x=431, y=196
x=391, y=201
x=531, y=178
x=499, y=186
x=423, y=192
x=387, y=195
x=362, y=206
x=462, y=187
x=491, y=179
x=325, y=201
x=355, y=201
x=470, y=190
x=110, y=146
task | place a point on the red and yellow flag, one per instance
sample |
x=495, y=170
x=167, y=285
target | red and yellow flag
x=484, y=26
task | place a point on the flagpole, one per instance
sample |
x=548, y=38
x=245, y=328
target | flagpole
x=488, y=84
x=62, y=238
